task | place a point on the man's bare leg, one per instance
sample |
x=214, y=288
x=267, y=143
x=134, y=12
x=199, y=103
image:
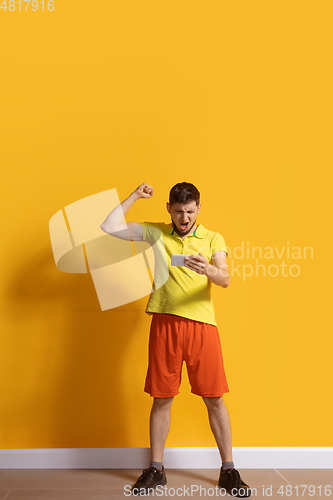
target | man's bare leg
x=159, y=426
x=220, y=425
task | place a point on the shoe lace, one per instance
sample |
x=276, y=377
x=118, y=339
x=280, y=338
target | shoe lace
x=235, y=479
x=148, y=473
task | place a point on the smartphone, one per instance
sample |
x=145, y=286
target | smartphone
x=177, y=259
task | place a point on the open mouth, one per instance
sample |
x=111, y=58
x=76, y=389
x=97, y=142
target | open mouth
x=184, y=226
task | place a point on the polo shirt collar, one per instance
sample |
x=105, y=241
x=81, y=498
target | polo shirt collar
x=198, y=233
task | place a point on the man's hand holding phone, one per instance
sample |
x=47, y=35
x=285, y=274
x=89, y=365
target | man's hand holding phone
x=197, y=263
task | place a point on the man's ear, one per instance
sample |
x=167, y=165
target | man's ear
x=168, y=207
x=199, y=206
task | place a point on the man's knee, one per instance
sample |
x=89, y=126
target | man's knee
x=213, y=402
x=163, y=402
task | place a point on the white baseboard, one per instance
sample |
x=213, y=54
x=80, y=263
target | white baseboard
x=174, y=458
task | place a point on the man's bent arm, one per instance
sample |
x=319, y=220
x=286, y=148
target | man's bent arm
x=219, y=272
x=115, y=223
x=218, y=275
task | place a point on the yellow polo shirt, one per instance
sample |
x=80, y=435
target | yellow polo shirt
x=185, y=292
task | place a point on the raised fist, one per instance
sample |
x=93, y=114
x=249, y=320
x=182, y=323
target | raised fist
x=144, y=191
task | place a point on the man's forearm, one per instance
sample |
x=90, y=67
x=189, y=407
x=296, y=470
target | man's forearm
x=219, y=276
x=116, y=219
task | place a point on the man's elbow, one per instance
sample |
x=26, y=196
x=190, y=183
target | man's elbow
x=104, y=229
x=226, y=283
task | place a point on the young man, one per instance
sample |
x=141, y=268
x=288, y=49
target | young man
x=183, y=326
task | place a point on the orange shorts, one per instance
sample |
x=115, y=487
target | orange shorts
x=174, y=339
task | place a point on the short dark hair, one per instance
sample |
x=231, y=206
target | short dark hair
x=184, y=192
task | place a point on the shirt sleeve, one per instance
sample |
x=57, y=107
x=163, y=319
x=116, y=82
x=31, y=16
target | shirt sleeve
x=218, y=244
x=145, y=231
x=151, y=231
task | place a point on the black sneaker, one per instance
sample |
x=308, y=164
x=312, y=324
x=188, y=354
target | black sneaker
x=149, y=479
x=231, y=481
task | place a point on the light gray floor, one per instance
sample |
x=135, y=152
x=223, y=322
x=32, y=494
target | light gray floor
x=106, y=484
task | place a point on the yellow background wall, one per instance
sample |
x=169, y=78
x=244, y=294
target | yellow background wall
x=235, y=97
